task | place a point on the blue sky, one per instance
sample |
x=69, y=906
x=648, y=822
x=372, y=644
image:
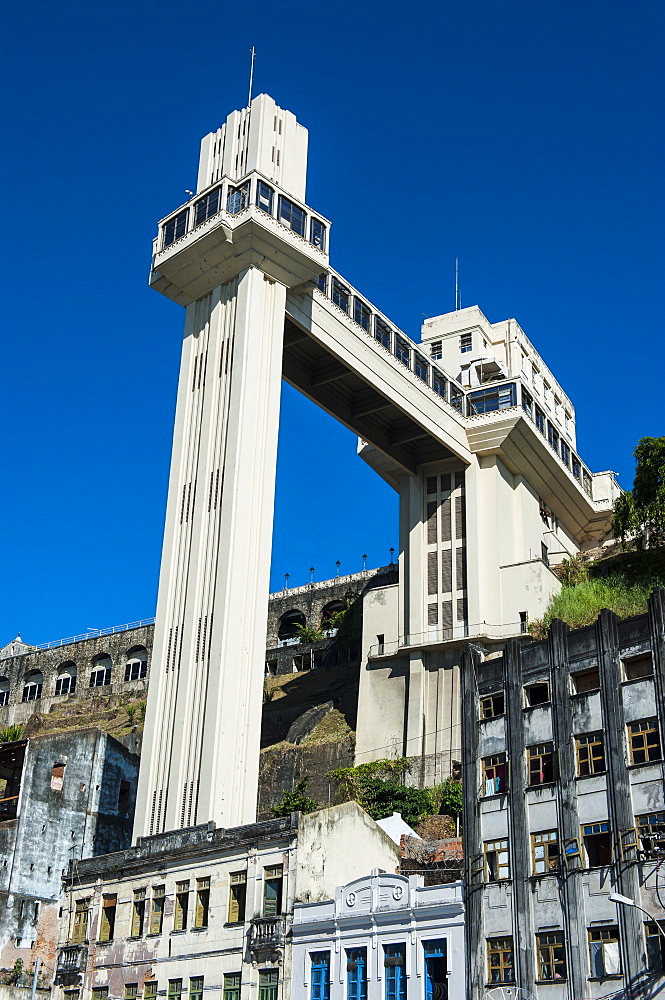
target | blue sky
x=524, y=138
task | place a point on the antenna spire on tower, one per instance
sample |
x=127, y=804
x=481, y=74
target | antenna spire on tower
x=251, y=76
x=457, y=297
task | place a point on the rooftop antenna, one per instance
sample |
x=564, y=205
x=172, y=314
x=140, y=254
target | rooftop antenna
x=458, y=301
x=251, y=77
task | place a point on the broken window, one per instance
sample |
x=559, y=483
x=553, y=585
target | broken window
x=497, y=860
x=655, y=947
x=585, y=680
x=107, y=918
x=638, y=666
x=494, y=774
x=491, y=706
x=542, y=764
x=181, y=904
x=536, y=694
x=123, y=797
x=57, y=776
x=604, y=952
x=597, y=844
x=590, y=751
x=545, y=852
x=644, y=741
x=651, y=830
x=272, y=891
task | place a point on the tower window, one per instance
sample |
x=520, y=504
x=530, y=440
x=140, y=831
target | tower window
x=175, y=228
x=207, y=206
x=466, y=343
x=264, y=197
x=317, y=234
x=291, y=215
x=237, y=199
x=436, y=350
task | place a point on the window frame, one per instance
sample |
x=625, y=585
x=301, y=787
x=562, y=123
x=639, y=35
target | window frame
x=319, y=974
x=497, y=870
x=595, y=830
x=202, y=903
x=177, y=227
x=157, y=907
x=317, y=239
x=488, y=706
x=107, y=914
x=545, y=956
x=181, y=905
x=237, y=897
x=598, y=935
x=382, y=332
x=268, y=198
x=268, y=984
x=500, y=946
x=551, y=859
x=291, y=215
x=270, y=881
x=232, y=984
x=539, y=752
x=491, y=763
x=356, y=962
x=628, y=662
x=394, y=970
x=649, y=749
x=208, y=201
x=591, y=740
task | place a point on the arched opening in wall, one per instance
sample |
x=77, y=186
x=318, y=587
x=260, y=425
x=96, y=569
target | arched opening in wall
x=101, y=670
x=330, y=613
x=65, y=680
x=136, y=666
x=32, y=685
x=288, y=626
x=4, y=691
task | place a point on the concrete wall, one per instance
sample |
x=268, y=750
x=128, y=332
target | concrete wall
x=78, y=815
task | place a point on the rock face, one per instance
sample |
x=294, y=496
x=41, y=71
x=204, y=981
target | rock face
x=281, y=767
x=307, y=722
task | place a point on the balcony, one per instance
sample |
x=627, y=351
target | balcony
x=232, y=226
x=460, y=633
x=72, y=960
x=266, y=939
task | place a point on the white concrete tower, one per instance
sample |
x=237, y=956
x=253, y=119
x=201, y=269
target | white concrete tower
x=228, y=255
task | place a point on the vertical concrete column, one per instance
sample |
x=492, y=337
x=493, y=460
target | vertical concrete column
x=203, y=719
x=412, y=568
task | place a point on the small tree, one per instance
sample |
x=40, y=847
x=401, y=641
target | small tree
x=307, y=633
x=640, y=513
x=296, y=801
x=449, y=796
x=379, y=788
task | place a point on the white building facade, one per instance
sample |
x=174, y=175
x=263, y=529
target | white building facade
x=383, y=937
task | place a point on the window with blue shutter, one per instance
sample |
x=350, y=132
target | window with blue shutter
x=436, y=970
x=320, y=979
x=356, y=974
x=394, y=960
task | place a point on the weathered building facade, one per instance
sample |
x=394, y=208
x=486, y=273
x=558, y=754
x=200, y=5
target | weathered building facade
x=382, y=937
x=564, y=816
x=207, y=909
x=42, y=678
x=62, y=798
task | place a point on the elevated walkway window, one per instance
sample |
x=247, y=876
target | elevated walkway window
x=291, y=215
x=175, y=228
x=207, y=206
x=488, y=400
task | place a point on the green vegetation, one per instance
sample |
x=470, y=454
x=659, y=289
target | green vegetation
x=449, y=796
x=581, y=604
x=307, y=633
x=11, y=733
x=378, y=787
x=639, y=514
x=296, y=801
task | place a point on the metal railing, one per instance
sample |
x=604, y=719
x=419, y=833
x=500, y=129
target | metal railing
x=480, y=630
x=93, y=634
